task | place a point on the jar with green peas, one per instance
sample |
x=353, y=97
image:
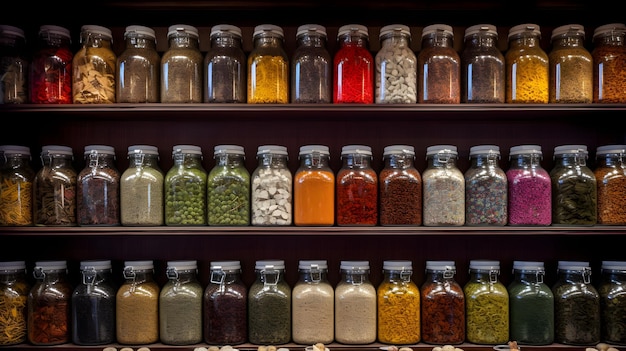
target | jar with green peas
x=185, y=187
x=228, y=188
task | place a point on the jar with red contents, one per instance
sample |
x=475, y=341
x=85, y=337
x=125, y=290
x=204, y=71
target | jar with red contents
x=353, y=74
x=357, y=187
x=50, y=77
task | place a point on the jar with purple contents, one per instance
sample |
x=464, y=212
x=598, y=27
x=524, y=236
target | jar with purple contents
x=530, y=193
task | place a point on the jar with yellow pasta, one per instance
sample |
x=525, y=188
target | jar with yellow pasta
x=93, y=67
x=268, y=67
x=527, y=68
x=571, y=66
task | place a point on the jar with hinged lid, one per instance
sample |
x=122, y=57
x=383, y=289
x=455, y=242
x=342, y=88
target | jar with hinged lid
x=396, y=67
x=357, y=187
x=138, y=67
x=141, y=188
x=271, y=187
x=355, y=304
x=400, y=187
x=225, y=66
x=314, y=188
x=439, y=67
x=182, y=66
x=311, y=66
x=228, y=187
x=610, y=173
x=612, y=291
x=485, y=188
x=571, y=66
x=609, y=63
x=55, y=188
x=14, y=65
x=353, y=66
x=50, y=71
x=98, y=201
x=94, y=67
x=527, y=66
x=16, y=187
x=186, y=187
x=14, y=290
x=483, y=67
x=444, y=187
x=313, y=300
x=268, y=66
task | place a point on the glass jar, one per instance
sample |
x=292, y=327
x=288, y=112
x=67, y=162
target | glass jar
x=54, y=188
x=138, y=67
x=442, y=304
x=271, y=184
x=186, y=187
x=94, y=67
x=137, y=305
x=49, y=303
x=398, y=304
x=353, y=66
x=609, y=63
x=355, y=304
x=14, y=289
x=576, y=305
x=93, y=304
x=531, y=305
x=530, y=192
x=268, y=67
x=269, y=304
x=486, y=304
x=400, y=187
x=612, y=291
x=314, y=188
x=141, y=188
x=225, y=305
x=357, y=187
x=610, y=173
x=13, y=66
x=180, y=305
x=228, y=187
x=16, y=187
x=574, y=188
x=483, y=68
x=444, y=187
x=50, y=70
x=98, y=200
x=313, y=299
x=527, y=66
x=182, y=66
x=439, y=67
x=571, y=66
x=311, y=67
x=396, y=66
x=225, y=66
x=485, y=188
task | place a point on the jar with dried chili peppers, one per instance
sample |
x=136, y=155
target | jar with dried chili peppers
x=357, y=187
x=54, y=188
x=50, y=71
x=16, y=187
x=612, y=290
x=13, y=66
x=14, y=289
x=609, y=63
x=439, y=67
x=354, y=66
x=610, y=173
x=400, y=190
x=98, y=201
x=94, y=67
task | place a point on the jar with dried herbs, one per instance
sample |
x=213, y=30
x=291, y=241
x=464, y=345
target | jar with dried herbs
x=444, y=187
x=439, y=67
x=271, y=187
x=571, y=66
x=527, y=66
x=14, y=289
x=483, y=68
x=313, y=302
x=186, y=187
x=141, y=188
x=355, y=304
x=182, y=66
x=486, y=188
x=50, y=70
x=610, y=173
x=609, y=63
x=612, y=290
x=228, y=187
x=14, y=66
x=400, y=187
x=138, y=67
x=396, y=66
x=94, y=67
x=49, y=304
x=16, y=187
x=268, y=67
x=54, y=188
x=357, y=187
x=225, y=66
x=98, y=201
x=311, y=67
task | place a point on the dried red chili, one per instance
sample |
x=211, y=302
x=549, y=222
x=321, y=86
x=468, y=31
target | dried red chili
x=353, y=66
x=357, y=187
x=51, y=67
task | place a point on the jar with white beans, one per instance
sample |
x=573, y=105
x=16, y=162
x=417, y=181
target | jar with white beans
x=271, y=185
x=396, y=67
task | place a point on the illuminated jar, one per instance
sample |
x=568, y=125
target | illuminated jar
x=571, y=66
x=612, y=290
x=94, y=67
x=16, y=187
x=609, y=63
x=268, y=67
x=138, y=67
x=400, y=187
x=355, y=305
x=483, y=68
x=225, y=66
x=55, y=188
x=439, y=67
x=396, y=67
x=610, y=173
x=14, y=289
x=353, y=66
x=357, y=187
x=314, y=188
x=527, y=66
x=182, y=66
x=50, y=77
x=311, y=66
x=98, y=197
x=313, y=300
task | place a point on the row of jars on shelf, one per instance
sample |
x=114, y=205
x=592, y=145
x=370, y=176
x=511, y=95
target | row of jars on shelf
x=271, y=312
x=571, y=193
x=481, y=73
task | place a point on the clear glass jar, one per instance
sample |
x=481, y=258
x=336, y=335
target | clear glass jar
x=186, y=187
x=574, y=188
x=271, y=184
x=398, y=304
x=576, y=305
x=98, y=197
x=530, y=192
x=311, y=67
x=482, y=65
x=357, y=187
x=531, y=303
x=94, y=67
x=355, y=304
x=354, y=68
x=228, y=187
x=269, y=304
x=439, y=67
x=612, y=291
x=527, y=66
x=400, y=187
x=486, y=304
x=138, y=67
x=137, y=305
x=313, y=301
x=93, y=304
x=14, y=289
x=396, y=66
x=49, y=304
x=444, y=187
x=55, y=188
x=16, y=187
x=50, y=69
x=610, y=173
x=314, y=188
x=571, y=66
x=180, y=305
x=609, y=63
x=182, y=66
x=268, y=67
x=13, y=66
x=225, y=305
x=442, y=304
x=141, y=188
x=485, y=188
x=225, y=66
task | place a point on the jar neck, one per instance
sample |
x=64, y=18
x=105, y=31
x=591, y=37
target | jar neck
x=181, y=276
x=95, y=276
x=225, y=40
x=184, y=42
x=270, y=277
x=571, y=160
x=311, y=40
x=140, y=42
x=437, y=40
x=612, y=39
x=614, y=275
x=484, y=276
x=314, y=161
x=272, y=161
x=138, y=276
x=490, y=160
x=98, y=160
x=524, y=40
x=268, y=41
x=16, y=161
x=442, y=161
x=569, y=41
x=313, y=276
x=576, y=276
x=399, y=161
x=222, y=277
x=11, y=276
x=56, y=161
x=529, y=276
x=53, y=40
x=526, y=160
x=229, y=160
x=95, y=40
x=50, y=276
x=481, y=40
x=395, y=40
x=357, y=161
x=188, y=160
x=440, y=275
x=399, y=276
x=143, y=160
x=353, y=40
x=16, y=43
x=355, y=277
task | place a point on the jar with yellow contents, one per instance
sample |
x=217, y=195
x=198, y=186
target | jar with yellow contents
x=268, y=67
x=527, y=68
x=94, y=67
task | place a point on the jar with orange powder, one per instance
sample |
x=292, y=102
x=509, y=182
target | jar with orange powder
x=314, y=188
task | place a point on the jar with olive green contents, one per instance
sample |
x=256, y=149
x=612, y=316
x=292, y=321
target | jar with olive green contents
x=186, y=187
x=182, y=65
x=571, y=66
x=54, y=188
x=16, y=187
x=228, y=187
x=527, y=66
x=612, y=290
x=141, y=188
x=610, y=173
x=138, y=67
x=14, y=289
x=94, y=67
x=268, y=67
